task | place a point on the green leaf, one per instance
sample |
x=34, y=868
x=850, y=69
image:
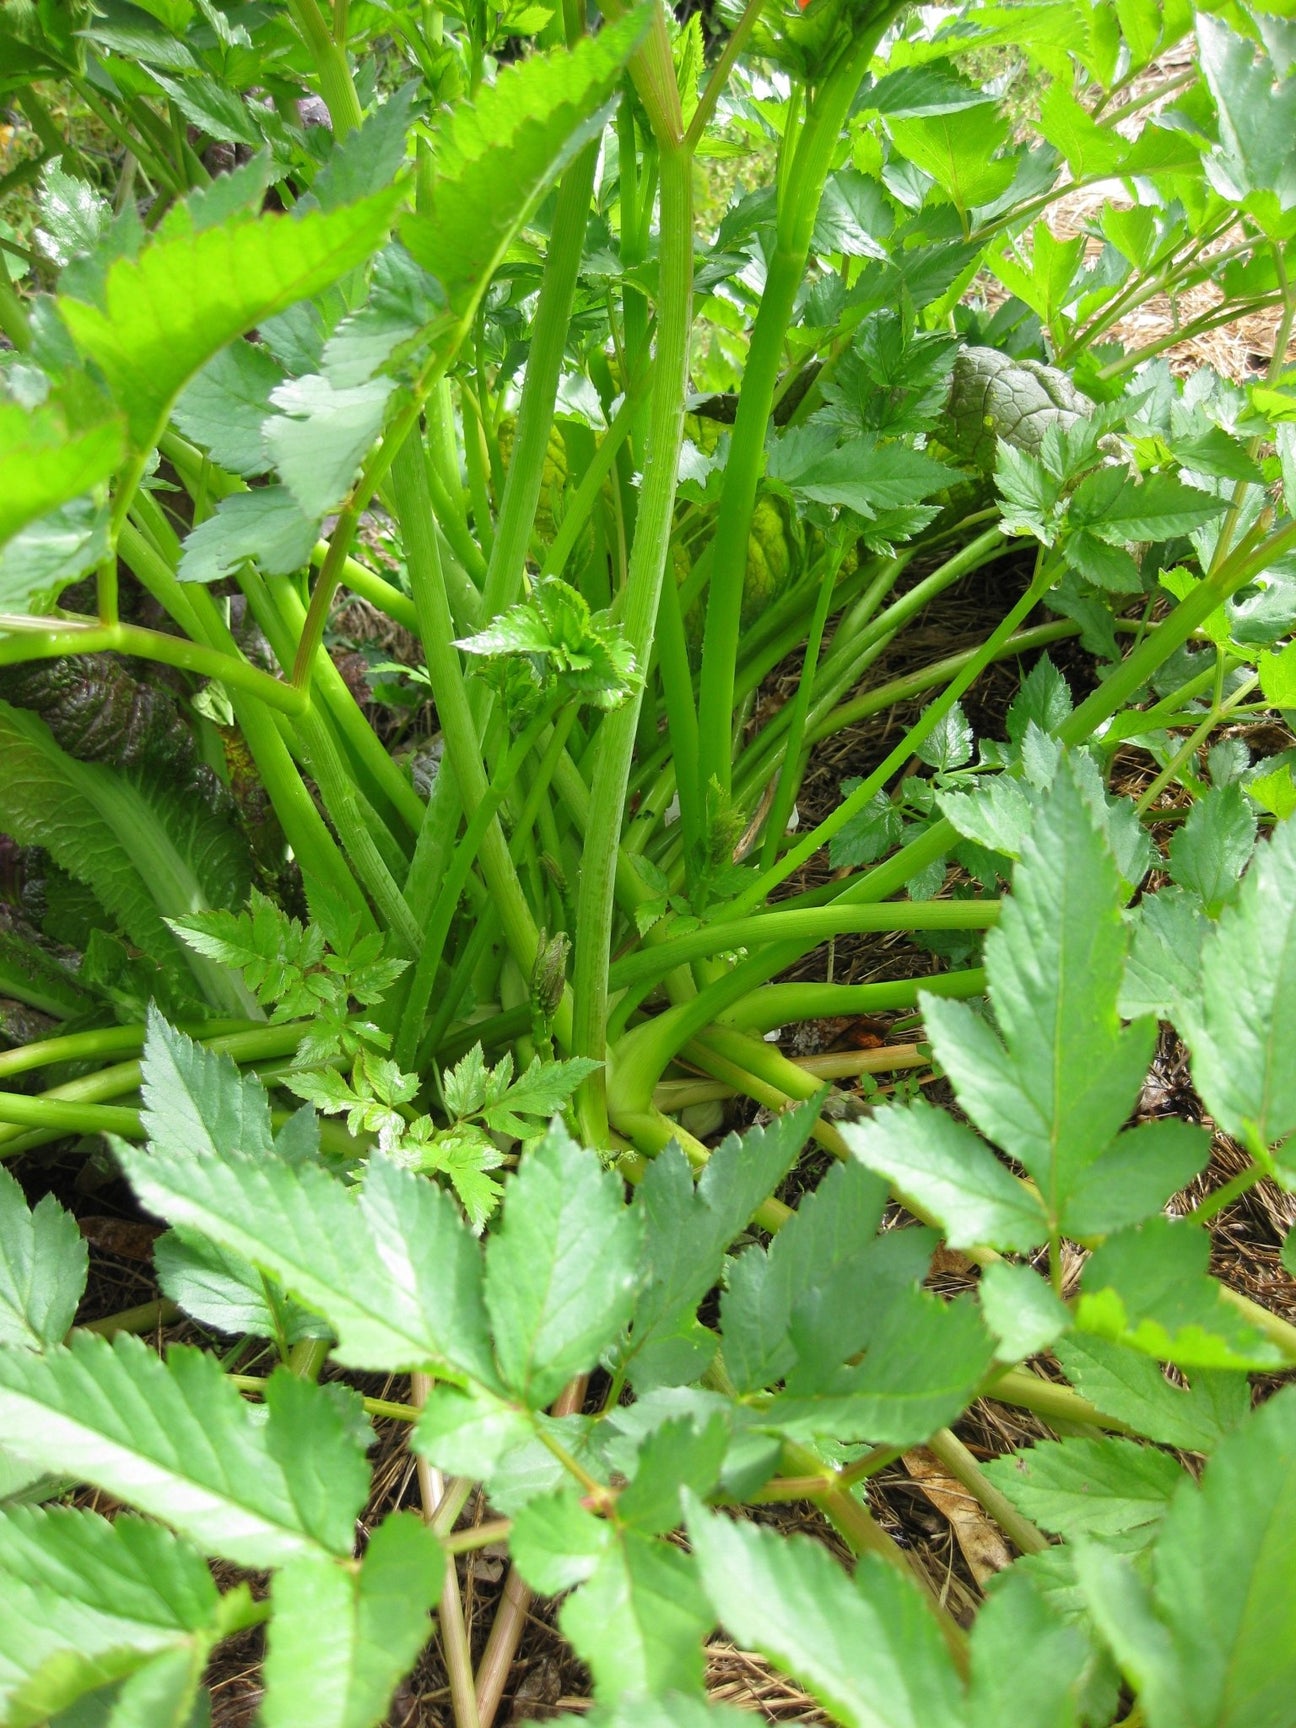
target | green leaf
x=1164, y=968
x=1026, y=1660
x=867, y=1648
x=673, y=1710
x=830, y=1237
x=923, y=1363
x=1148, y=1287
x=1115, y=509
x=1205, y=1657
x=1091, y=150
x=1021, y=1309
x=45, y=462
x=469, y=1432
x=1057, y=1090
x=176, y=1439
x=341, y=1638
x=1136, y=1175
x=860, y=475
x=43, y=1262
x=492, y=159
x=221, y=1289
x=394, y=1268
x=266, y=525
x=1213, y=847
x=371, y=157
x=1241, y=1058
x=556, y=1543
x=1256, y=120
x=223, y=407
x=639, y=1620
x=958, y=151
x=320, y=435
x=562, y=1269
x=189, y=295
x=542, y=1090
x=1046, y=286
x=145, y=851
x=949, y=1174
x=1080, y=1488
x=687, y=1230
x=1131, y=1388
x=679, y=1454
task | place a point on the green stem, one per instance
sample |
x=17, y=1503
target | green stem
x=33, y=639
x=336, y=86
x=614, y=746
x=800, y=194
x=963, y=1467
x=414, y=513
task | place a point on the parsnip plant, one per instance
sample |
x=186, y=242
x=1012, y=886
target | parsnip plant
x=630, y=454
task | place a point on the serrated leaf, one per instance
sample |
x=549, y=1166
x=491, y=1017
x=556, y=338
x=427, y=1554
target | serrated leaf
x=1130, y=1387
x=1135, y=1176
x=1057, y=1090
x=951, y=1175
x=562, y=1269
x=176, y=1440
x=1213, y=847
x=639, y=1619
x=186, y=297
x=921, y=1368
x=556, y=1543
x=867, y=1648
x=1021, y=1309
x=1081, y=1487
x=1148, y=1287
x=542, y=1090
x=1117, y=510
x=1255, y=119
x=394, y=1268
x=221, y=1289
x=223, y=407
x=1206, y=1657
x=493, y=158
x=45, y=462
x=687, y=1230
x=1027, y=1660
x=958, y=150
x=860, y=475
x=679, y=1454
x=1164, y=968
x=267, y=526
x=830, y=1239
x=320, y=435
x=43, y=1263
x=1239, y=1037
x=341, y=1639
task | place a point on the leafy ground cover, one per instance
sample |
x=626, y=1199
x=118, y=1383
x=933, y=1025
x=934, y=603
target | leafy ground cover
x=832, y=685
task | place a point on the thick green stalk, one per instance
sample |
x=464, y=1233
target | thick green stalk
x=799, y=208
x=336, y=86
x=784, y=1004
x=549, y=334
x=616, y=736
x=414, y=512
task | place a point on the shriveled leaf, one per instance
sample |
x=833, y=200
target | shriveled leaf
x=43, y=1262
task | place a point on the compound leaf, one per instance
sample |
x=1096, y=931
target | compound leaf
x=1101, y=1487
x=1239, y=1038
